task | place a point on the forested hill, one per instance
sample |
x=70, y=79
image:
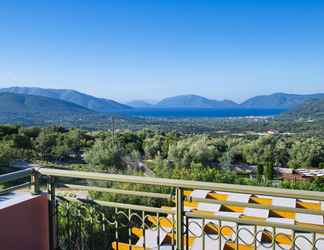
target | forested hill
x=279, y=100
x=274, y=101
x=195, y=101
x=84, y=100
x=20, y=103
x=311, y=109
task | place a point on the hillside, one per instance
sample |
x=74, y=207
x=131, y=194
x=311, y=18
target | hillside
x=81, y=99
x=20, y=103
x=311, y=109
x=273, y=101
x=279, y=101
x=195, y=101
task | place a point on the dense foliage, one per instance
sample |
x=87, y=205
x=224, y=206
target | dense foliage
x=147, y=150
x=311, y=109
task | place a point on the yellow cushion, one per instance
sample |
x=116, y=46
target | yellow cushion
x=125, y=246
x=216, y=196
x=308, y=205
x=282, y=214
x=283, y=239
x=232, y=246
x=261, y=201
x=164, y=222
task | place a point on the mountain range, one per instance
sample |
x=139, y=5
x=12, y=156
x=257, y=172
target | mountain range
x=91, y=103
x=309, y=110
x=195, y=101
x=72, y=96
x=274, y=101
x=27, y=104
x=279, y=100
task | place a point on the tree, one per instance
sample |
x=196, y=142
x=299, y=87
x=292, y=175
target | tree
x=260, y=171
x=106, y=155
x=32, y=132
x=262, y=153
x=268, y=171
x=196, y=149
x=306, y=153
x=6, y=130
x=7, y=152
x=281, y=154
x=72, y=142
x=233, y=155
x=45, y=143
x=21, y=141
x=153, y=146
x=129, y=141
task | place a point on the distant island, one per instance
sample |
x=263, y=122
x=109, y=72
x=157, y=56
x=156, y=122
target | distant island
x=195, y=101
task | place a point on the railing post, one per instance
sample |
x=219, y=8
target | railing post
x=34, y=181
x=179, y=219
x=52, y=213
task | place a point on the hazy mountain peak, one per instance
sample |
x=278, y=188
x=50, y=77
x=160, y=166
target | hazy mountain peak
x=310, y=109
x=69, y=95
x=22, y=103
x=279, y=100
x=139, y=104
x=195, y=101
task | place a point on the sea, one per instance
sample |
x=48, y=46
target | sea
x=197, y=112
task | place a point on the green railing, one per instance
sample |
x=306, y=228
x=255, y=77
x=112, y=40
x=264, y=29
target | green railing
x=83, y=223
x=11, y=179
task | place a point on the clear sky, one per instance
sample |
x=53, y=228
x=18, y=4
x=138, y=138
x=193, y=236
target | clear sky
x=140, y=49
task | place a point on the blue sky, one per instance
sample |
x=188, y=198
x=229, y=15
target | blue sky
x=152, y=49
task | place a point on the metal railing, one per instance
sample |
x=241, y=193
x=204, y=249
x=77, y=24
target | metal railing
x=88, y=223
x=18, y=175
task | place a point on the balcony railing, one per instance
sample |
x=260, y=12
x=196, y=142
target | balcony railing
x=188, y=214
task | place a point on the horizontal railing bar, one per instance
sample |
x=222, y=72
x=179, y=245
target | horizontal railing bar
x=260, y=206
x=297, y=228
x=119, y=191
x=298, y=194
x=210, y=201
x=121, y=205
x=16, y=175
x=13, y=188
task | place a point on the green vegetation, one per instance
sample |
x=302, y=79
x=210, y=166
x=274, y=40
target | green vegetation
x=312, y=109
x=106, y=155
x=279, y=100
x=104, y=148
x=249, y=159
x=212, y=157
